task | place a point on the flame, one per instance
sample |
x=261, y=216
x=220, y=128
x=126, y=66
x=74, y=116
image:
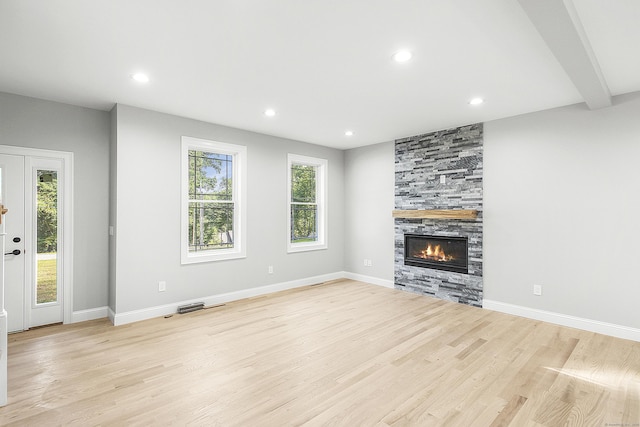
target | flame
x=434, y=253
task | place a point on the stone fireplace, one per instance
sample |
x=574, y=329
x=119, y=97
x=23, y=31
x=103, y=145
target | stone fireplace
x=438, y=233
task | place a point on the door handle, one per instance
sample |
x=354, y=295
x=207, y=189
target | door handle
x=14, y=252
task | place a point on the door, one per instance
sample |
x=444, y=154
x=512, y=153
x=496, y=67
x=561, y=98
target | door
x=12, y=168
x=33, y=264
x=43, y=290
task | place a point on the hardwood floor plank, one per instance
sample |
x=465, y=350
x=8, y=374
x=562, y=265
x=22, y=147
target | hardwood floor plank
x=509, y=411
x=343, y=353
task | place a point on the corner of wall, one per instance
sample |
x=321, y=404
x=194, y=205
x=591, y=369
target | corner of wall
x=113, y=203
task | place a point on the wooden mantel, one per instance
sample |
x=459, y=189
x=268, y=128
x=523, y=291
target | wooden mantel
x=436, y=213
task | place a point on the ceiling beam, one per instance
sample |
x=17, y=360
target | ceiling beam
x=558, y=23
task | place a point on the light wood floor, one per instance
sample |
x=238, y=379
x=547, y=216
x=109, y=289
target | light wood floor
x=344, y=353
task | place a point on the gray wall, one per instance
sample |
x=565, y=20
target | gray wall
x=148, y=213
x=568, y=174
x=560, y=210
x=34, y=123
x=369, y=200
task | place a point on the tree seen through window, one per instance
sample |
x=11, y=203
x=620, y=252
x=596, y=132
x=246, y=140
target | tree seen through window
x=211, y=201
x=304, y=207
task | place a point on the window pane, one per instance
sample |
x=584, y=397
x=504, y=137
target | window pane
x=47, y=236
x=210, y=176
x=304, y=226
x=303, y=183
x=210, y=226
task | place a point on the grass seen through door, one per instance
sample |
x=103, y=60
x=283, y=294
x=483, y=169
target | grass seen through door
x=47, y=283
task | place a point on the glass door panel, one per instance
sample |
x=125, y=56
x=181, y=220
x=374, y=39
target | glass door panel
x=46, y=289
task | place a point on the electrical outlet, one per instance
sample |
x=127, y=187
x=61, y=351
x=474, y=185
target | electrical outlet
x=443, y=179
x=537, y=289
x=162, y=286
x=270, y=269
x=368, y=263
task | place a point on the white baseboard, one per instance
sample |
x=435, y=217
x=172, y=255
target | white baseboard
x=90, y=314
x=565, y=320
x=369, y=279
x=162, y=310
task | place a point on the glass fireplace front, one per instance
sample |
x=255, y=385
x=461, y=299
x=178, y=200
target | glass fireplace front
x=438, y=252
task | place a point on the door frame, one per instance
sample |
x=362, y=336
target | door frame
x=67, y=221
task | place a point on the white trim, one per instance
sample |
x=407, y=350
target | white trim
x=28, y=241
x=605, y=328
x=322, y=197
x=67, y=209
x=369, y=279
x=90, y=314
x=163, y=310
x=47, y=313
x=111, y=315
x=239, y=182
x=3, y=357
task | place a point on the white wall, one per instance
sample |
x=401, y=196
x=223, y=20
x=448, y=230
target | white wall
x=148, y=213
x=561, y=203
x=369, y=200
x=34, y=123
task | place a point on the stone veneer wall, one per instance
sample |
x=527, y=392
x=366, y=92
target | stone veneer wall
x=420, y=162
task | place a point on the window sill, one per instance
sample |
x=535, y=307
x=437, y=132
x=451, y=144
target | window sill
x=302, y=247
x=209, y=257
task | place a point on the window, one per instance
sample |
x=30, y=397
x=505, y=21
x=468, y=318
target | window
x=307, y=210
x=213, y=200
x=46, y=288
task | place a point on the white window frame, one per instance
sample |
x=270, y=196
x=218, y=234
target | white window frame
x=322, y=167
x=239, y=191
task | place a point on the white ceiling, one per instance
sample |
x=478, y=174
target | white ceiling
x=324, y=66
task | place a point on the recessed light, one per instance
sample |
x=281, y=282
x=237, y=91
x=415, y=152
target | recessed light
x=476, y=101
x=269, y=112
x=140, y=77
x=349, y=133
x=402, y=56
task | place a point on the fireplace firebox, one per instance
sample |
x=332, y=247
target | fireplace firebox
x=438, y=252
